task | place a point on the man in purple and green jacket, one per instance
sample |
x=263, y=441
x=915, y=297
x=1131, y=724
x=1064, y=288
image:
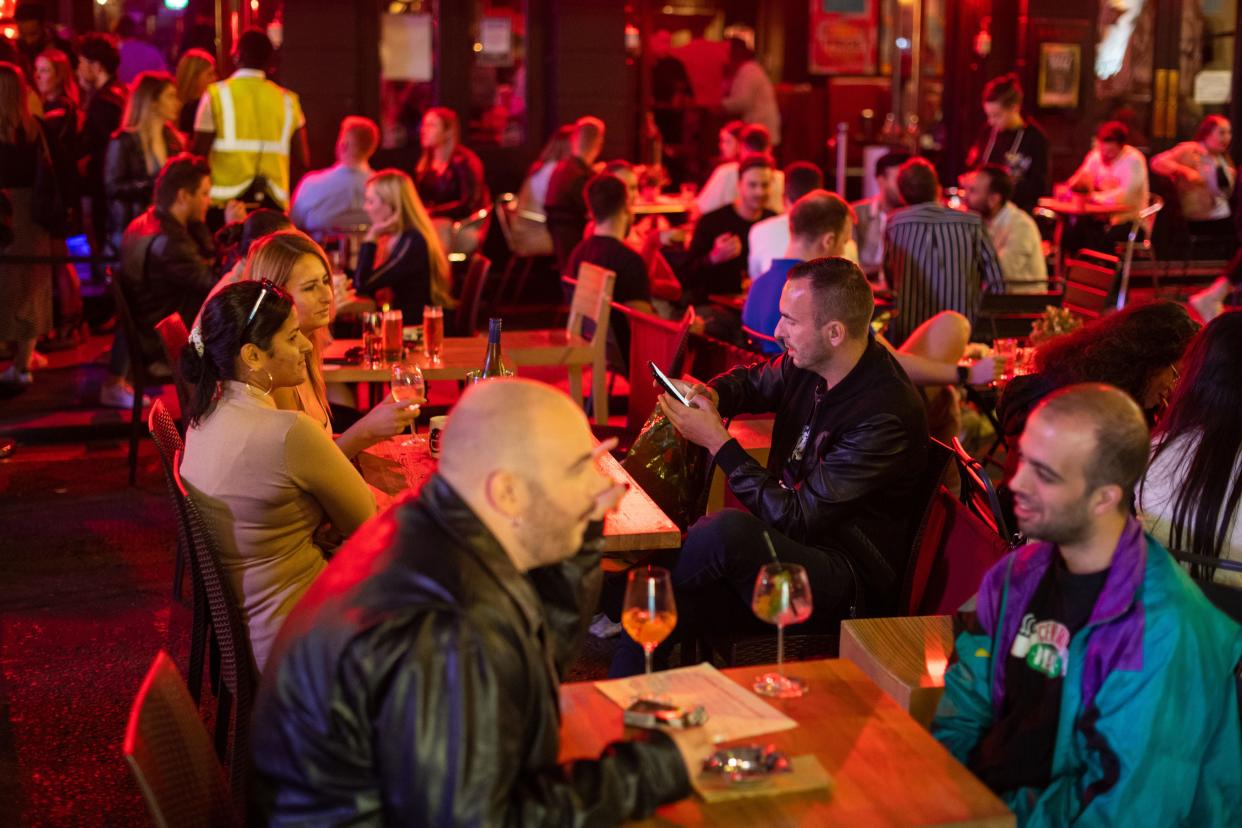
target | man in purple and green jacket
x=1093, y=683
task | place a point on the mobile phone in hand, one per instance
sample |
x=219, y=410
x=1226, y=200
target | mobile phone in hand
x=666, y=384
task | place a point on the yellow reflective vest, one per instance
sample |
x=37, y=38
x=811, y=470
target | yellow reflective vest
x=254, y=121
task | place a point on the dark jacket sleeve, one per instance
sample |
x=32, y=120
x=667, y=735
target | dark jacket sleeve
x=407, y=262
x=751, y=389
x=179, y=260
x=468, y=172
x=450, y=706
x=570, y=593
x=122, y=181
x=865, y=458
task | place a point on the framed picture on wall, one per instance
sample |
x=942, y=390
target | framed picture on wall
x=1060, y=74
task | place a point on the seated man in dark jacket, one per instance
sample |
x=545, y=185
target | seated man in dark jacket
x=416, y=683
x=167, y=261
x=838, y=495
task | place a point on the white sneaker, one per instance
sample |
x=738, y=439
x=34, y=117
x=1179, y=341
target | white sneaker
x=119, y=395
x=12, y=376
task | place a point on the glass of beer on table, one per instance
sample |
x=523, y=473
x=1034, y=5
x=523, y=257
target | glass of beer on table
x=433, y=332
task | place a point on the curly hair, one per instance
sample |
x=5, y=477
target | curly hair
x=1125, y=349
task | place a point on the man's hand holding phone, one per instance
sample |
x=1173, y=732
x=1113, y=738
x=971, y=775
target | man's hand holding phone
x=699, y=421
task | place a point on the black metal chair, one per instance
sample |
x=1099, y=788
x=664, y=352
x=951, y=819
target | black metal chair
x=139, y=373
x=169, y=444
x=467, y=319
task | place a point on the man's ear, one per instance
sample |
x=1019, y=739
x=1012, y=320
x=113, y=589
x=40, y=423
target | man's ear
x=1106, y=499
x=835, y=333
x=505, y=493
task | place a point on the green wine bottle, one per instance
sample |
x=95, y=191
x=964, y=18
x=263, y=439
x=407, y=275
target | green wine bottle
x=493, y=363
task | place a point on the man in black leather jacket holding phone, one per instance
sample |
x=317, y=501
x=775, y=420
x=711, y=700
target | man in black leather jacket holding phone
x=416, y=683
x=837, y=496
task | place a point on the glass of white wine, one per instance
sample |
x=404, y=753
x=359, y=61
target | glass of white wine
x=408, y=384
x=649, y=612
x=782, y=596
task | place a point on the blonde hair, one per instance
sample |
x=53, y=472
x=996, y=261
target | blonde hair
x=396, y=189
x=273, y=258
x=192, y=65
x=140, y=110
x=16, y=122
x=64, y=74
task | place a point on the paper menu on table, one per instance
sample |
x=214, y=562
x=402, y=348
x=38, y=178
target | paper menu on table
x=733, y=712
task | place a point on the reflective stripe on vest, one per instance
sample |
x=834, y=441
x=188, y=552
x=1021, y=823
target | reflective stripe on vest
x=237, y=161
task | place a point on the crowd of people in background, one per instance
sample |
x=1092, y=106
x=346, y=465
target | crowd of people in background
x=186, y=181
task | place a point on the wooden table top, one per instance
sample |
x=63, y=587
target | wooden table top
x=665, y=205
x=887, y=769
x=906, y=657
x=636, y=525
x=1081, y=206
x=460, y=355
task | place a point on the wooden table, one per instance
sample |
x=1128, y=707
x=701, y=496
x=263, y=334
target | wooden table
x=906, y=657
x=1077, y=207
x=637, y=525
x=461, y=355
x=663, y=206
x=887, y=769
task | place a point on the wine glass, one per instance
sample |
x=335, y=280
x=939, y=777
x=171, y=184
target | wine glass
x=782, y=596
x=408, y=384
x=649, y=613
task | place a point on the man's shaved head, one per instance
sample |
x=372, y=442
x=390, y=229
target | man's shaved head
x=521, y=454
x=511, y=425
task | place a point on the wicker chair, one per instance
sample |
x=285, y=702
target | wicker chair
x=169, y=753
x=174, y=338
x=168, y=441
x=239, y=677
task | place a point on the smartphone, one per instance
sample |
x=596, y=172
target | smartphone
x=666, y=384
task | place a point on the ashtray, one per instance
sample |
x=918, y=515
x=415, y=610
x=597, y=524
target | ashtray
x=748, y=763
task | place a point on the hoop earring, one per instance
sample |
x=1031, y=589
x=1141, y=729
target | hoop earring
x=262, y=393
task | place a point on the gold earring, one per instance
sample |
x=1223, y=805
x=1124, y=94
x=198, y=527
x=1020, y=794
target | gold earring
x=262, y=393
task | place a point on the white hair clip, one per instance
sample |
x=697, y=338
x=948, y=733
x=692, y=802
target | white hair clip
x=196, y=339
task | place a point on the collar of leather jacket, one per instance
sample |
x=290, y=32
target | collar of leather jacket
x=441, y=504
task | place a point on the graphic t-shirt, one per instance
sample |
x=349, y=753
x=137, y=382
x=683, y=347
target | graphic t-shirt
x=1017, y=750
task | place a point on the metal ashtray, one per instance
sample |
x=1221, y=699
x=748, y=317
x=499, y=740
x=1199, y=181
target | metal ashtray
x=748, y=763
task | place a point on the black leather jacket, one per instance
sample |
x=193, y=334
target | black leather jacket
x=416, y=683
x=166, y=267
x=851, y=487
x=127, y=182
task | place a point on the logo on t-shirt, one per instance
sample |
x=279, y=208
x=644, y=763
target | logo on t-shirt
x=1043, y=645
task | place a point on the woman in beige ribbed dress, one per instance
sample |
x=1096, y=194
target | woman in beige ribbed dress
x=265, y=479
x=25, y=289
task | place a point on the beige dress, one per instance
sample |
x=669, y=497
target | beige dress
x=265, y=480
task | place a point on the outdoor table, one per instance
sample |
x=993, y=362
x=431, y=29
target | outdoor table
x=635, y=527
x=461, y=355
x=885, y=768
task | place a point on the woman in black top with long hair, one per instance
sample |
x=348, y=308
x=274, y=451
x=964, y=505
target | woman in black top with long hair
x=1193, y=487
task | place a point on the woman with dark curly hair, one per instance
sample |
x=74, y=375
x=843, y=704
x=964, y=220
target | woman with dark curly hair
x=1136, y=349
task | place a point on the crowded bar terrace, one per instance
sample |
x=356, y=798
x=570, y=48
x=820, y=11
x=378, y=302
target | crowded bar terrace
x=601, y=412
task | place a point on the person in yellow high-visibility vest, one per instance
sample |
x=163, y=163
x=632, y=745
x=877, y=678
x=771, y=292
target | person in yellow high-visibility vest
x=247, y=127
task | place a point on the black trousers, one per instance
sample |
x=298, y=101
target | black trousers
x=714, y=581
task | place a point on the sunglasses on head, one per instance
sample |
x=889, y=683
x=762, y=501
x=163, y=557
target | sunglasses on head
x=268, y=287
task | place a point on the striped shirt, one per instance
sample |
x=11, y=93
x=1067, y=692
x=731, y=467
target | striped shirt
x=937, y=259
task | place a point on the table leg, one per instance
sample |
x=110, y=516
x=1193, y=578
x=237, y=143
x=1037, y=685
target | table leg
x=575, y=383
x=1058, y=256
x=599, y=394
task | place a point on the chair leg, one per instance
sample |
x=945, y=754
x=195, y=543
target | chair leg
x=135, y=432
x=599, y=392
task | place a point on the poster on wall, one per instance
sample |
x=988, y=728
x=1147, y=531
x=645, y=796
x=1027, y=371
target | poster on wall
x=843, y=37
x=1060, y=68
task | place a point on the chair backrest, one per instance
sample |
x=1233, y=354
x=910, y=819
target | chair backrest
x=174, y=338
x=591, y=300
x=918, y=566
x=761, y=342
x=169, y=752
x=472, y=295
x=1227, y=598
x=1144, y=219
x=955, y=550
x=506, y=205
x=1090, y=282
x=238, y=672
x=652, y=339
x=170, y=446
